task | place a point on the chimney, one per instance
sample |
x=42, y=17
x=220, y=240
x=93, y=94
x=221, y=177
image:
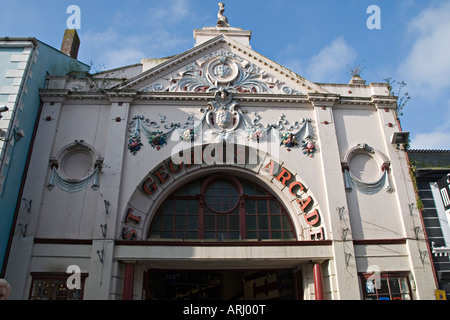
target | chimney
x=71, y=43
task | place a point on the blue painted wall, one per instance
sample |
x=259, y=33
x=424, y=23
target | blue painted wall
x=49, y=61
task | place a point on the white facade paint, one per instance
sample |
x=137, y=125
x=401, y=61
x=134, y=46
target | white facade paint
x=370, y=229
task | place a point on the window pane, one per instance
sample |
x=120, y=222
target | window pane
x=167, y=223
x=252, y=235
x=180, y=207
x=193, y=207
x=286, y=223
x=277, y=235
x=289, y=235
x=275, y=222
x=234, y=235
x=383, y=287
x=192, y=223
x=192, y=235
x=234, y=222
x=394, y=285
x=221, y=222
x=194, y=188
x=263, y=235
x=251, y=223
x=180, y=223
x=262, y=206
x=263, y=223
x=210, y=235
x=250, y=206
x=167, y=207
x=274, y=207
x=210, y=222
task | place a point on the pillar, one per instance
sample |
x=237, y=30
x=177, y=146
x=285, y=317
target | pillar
x=318, y=282
x=128, y=282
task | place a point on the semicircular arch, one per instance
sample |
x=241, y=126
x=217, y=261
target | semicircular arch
x=269, y=173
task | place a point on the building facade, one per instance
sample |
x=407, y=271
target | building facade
x=431, y=170
x=24, y=66
x=218, y=174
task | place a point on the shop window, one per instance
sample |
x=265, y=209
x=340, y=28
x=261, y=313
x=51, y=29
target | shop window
x=54, y=287
x=386, y=286
x=222, y=207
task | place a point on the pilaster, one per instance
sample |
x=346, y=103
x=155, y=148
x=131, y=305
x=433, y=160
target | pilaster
x=336, y=199
x=99, y=283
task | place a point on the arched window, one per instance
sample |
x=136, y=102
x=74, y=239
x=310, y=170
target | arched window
x=222, y=207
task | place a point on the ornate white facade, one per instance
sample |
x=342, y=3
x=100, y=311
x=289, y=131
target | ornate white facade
x=109, y=153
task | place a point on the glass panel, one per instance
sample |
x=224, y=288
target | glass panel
x=210, y=223
x=193, y=207
x=221, y=196
x=277, y=235
x=251, y=223
x=275, y=222
x=248, y=188
x=180, y=207
x=194, y=188
x=180, y=235
x=263, y=223
x=262, y=206
x=167, y=223
x=404, y=285
x=250, y=206
x=221, y=222
x=192, y=235
x=180, y=223
x=166, y=234
x=274, y=207
x=157, y=223
x=235, y=235
x=210, y=235
x=192, y=223
x=289, y=235
x=234, y=222
x=286, y=223
x=167, y=207
x=252, y=235
x=394, y=285
x=383, y=287
x=263, y=235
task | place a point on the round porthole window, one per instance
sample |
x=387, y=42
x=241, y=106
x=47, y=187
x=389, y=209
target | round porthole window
x=77, y=164
x=221, y=196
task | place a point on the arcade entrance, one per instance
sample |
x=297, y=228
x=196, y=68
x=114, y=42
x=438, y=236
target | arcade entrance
x=222, y=285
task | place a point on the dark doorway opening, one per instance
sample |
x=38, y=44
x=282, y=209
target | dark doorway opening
x=222, y=285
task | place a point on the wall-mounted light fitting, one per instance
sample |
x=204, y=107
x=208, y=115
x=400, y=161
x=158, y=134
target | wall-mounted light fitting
x=400, y=137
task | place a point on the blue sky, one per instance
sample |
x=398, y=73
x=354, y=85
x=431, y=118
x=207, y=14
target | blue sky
x=319, y=40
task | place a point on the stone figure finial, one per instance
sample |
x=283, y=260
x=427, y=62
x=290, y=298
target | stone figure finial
x=223, y=21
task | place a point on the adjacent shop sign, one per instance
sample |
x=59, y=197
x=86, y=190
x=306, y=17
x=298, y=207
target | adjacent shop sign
x=444, y=190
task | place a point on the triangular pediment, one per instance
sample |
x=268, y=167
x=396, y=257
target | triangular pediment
x=221, y=63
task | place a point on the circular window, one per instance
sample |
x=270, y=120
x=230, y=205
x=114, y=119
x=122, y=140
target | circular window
x=77, y=164
x=364, y=167
x=221, y=196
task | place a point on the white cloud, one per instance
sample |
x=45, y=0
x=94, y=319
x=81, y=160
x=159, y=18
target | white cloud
x=426, y=68
x=328, y=65
x=435, y=140
x=123, y=44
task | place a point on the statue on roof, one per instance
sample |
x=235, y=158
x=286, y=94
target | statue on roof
x=223, y=21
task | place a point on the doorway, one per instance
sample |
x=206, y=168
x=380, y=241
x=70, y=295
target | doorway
x=222, y=285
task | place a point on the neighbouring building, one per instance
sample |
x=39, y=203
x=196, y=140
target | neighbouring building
x=24, y=66
x=432, y=170
x=218, y=174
